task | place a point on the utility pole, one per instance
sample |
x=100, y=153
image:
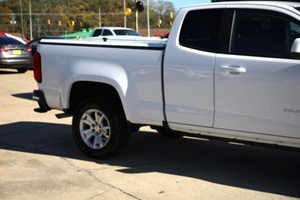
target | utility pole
x=124, y=8
x=22, y=27
x=148, y=20
x=30, y=20
x=99, y=13
x=38, y=19
x=139, y=7
x=13, y=22
x=136, y=18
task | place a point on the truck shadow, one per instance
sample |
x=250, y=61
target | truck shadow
x=8, y=72
x=253, y=168
x=27, y=96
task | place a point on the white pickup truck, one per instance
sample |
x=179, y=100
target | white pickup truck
x=228, y=70
x=113, y=31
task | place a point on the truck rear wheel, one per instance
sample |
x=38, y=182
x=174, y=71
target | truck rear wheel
x=99, y=130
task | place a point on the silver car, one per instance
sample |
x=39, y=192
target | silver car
x=14, y=54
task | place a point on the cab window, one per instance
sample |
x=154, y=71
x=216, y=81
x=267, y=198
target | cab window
x=97, y=32
x=200, y=29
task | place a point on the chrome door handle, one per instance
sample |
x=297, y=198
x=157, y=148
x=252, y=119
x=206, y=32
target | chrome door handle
x=233, y=69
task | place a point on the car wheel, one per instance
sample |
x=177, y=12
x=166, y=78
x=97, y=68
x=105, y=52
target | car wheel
x=99, y=130
x=22, y=70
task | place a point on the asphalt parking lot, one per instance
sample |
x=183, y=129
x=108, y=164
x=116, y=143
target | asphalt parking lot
x=39, y=160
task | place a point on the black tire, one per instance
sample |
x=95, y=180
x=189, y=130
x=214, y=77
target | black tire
x=22, y=70
x=168, y=132
x=99, y=130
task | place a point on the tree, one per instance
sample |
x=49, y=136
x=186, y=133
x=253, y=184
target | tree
x=85, y=14
x=164, y=10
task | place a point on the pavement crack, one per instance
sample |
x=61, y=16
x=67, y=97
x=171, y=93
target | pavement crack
x=90, y=173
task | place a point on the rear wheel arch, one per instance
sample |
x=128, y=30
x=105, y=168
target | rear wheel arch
x=83, y=90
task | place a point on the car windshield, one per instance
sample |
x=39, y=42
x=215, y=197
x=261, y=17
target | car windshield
x=297, y=8
x=9, y=41
x=126, y=32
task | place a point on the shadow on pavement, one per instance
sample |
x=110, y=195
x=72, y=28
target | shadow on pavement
x=7, y=72
x=253, y=168
x=27, y=96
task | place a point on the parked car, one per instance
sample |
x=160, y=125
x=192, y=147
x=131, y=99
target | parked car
x=33, y=43
x=15, y=54
x=12, y=36
x=114, y=31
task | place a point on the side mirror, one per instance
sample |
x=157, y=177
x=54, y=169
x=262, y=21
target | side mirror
x=295, y=50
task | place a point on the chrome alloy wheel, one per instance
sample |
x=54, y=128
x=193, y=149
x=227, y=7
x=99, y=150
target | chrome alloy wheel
x=95, y=129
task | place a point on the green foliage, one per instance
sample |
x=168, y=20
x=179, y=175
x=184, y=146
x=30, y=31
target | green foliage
x=66, y=16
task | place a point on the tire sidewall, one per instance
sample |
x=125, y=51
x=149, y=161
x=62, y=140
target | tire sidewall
x=118, y=135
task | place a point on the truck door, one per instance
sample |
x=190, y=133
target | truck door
x=188, y=70
x=257, y=84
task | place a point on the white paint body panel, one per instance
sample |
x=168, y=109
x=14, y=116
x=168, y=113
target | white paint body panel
x=259, y=103
x=260, y=99
x=136, y=78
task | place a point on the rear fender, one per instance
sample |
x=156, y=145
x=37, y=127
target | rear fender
x=108, y=73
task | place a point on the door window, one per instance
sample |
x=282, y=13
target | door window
x=107, y=32
x=263, y=33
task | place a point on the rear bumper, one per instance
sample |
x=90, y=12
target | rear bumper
x=39, y=96
x=16, y=63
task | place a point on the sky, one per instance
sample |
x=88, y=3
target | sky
x=180, y=3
